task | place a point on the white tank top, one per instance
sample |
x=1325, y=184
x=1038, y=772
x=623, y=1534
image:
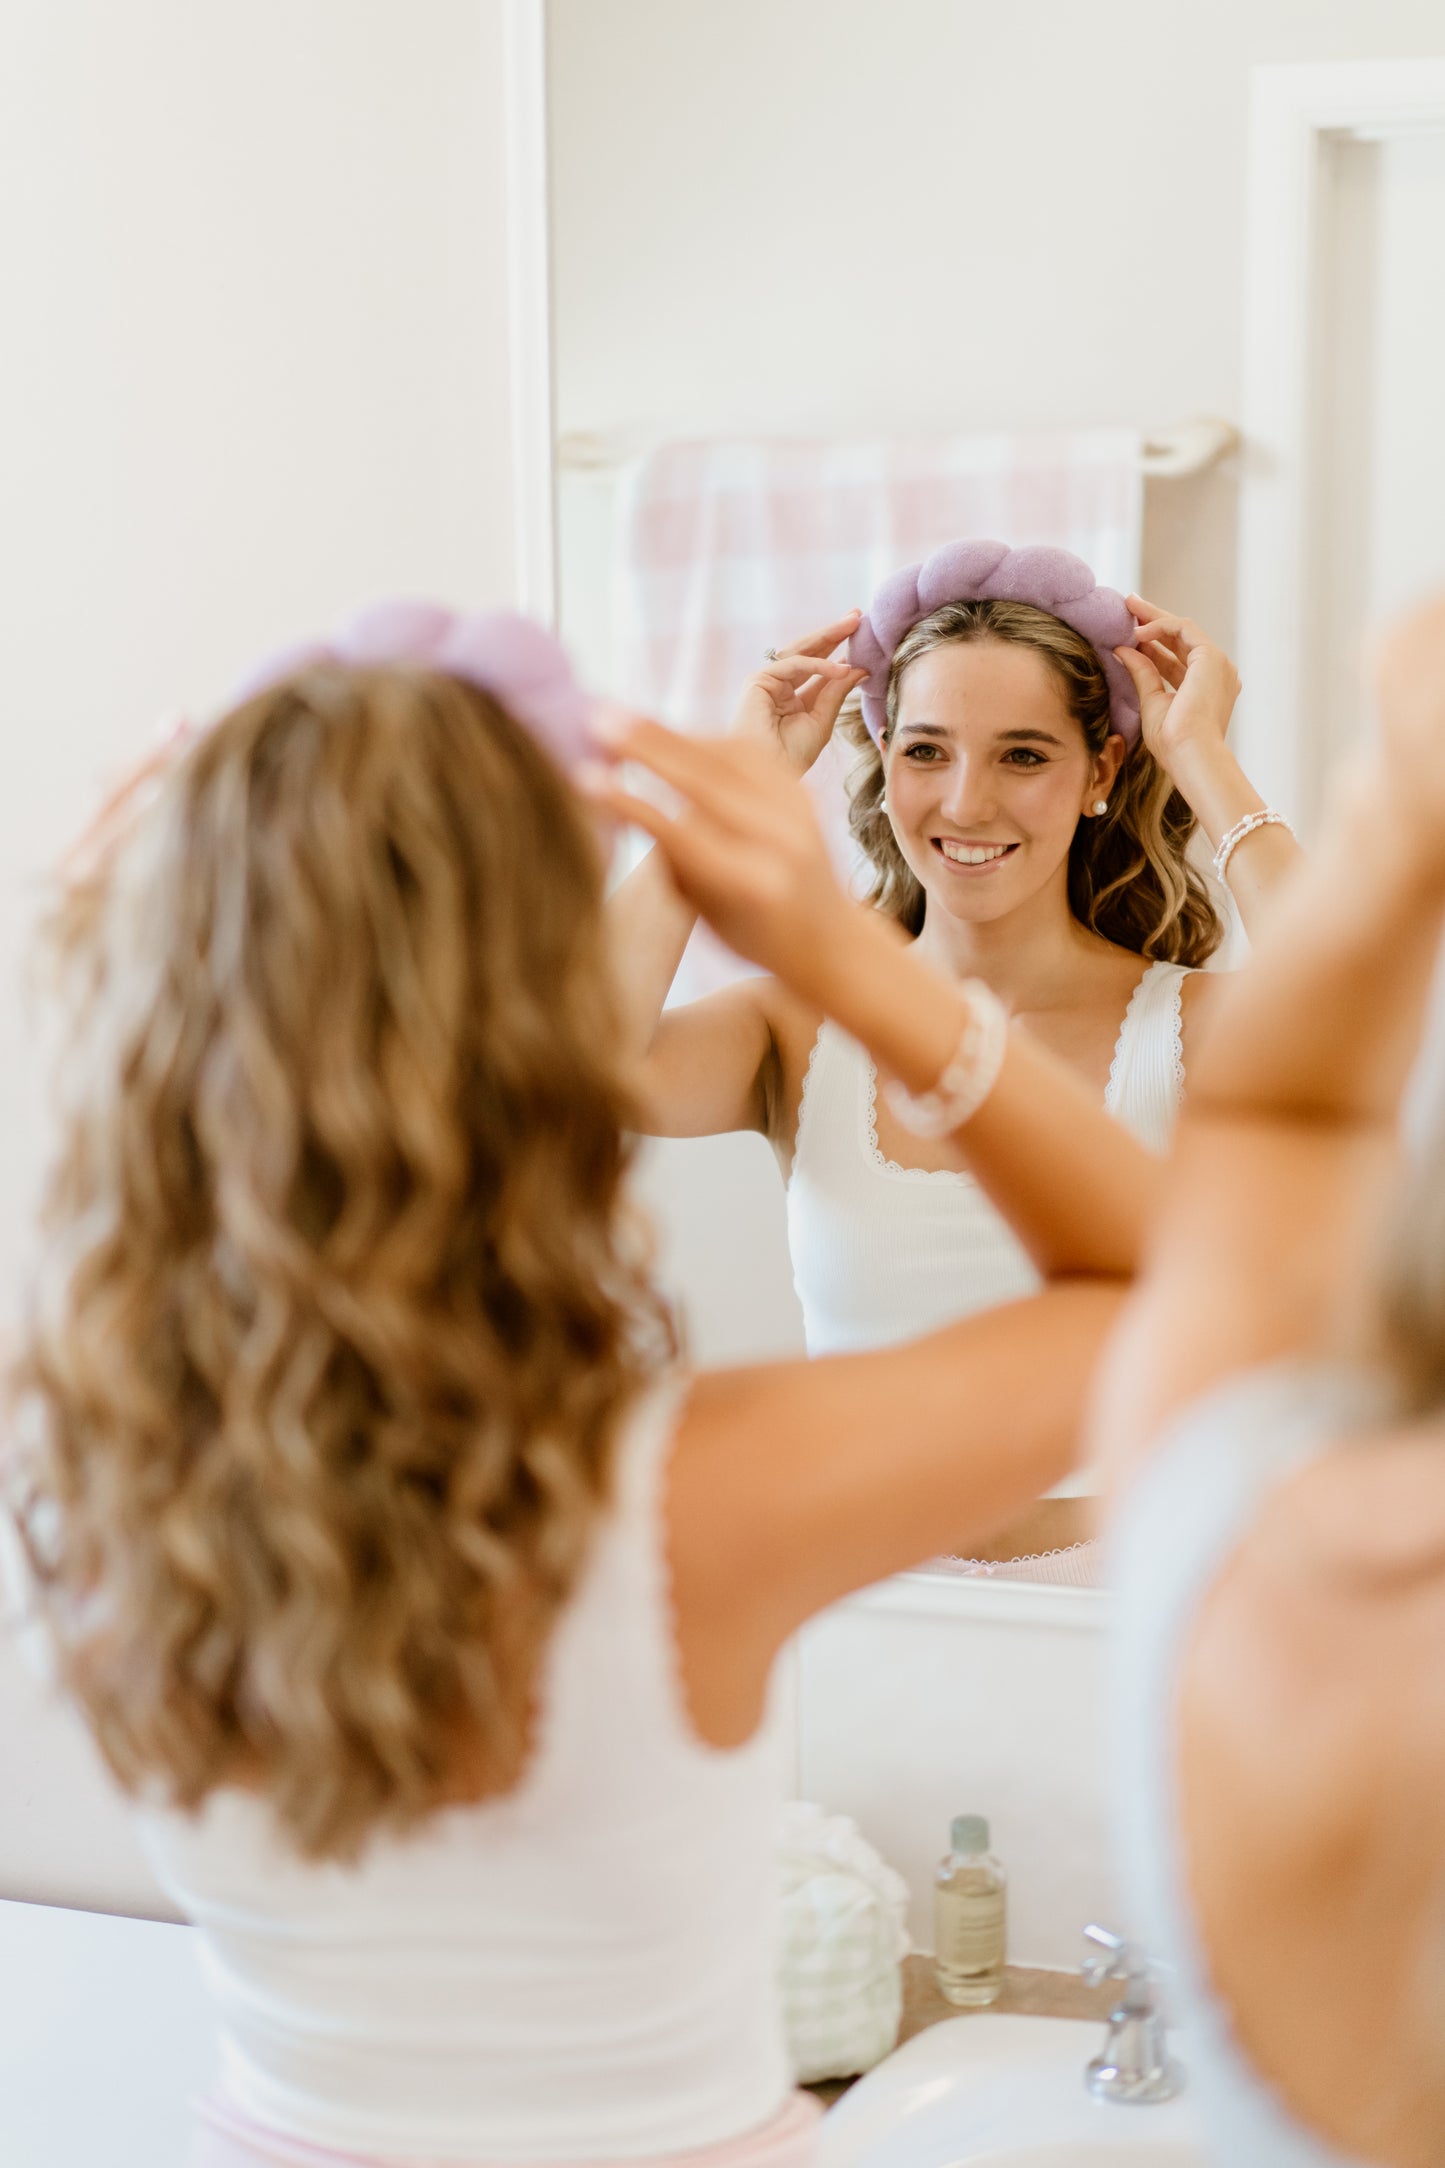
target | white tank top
x=882, y=1253
x=581, y=1969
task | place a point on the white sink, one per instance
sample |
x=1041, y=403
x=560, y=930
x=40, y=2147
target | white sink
x=1001, y=2092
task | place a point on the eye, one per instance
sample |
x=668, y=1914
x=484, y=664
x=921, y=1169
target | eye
x=1023, y=756
x=922, y=751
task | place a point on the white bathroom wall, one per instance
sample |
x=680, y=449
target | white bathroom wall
x=253, y=370
x=929, y=1697
x=836, y=218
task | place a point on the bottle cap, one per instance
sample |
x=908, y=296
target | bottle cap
x=970, y=1833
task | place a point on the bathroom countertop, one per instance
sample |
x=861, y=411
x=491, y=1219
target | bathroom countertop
x=1028, y=1991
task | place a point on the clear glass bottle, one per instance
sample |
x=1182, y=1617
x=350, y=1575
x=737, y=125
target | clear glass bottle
x=970, y=1897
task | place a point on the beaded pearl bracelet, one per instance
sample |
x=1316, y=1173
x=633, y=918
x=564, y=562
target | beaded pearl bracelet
x=1237, y=834
x=970, y=1076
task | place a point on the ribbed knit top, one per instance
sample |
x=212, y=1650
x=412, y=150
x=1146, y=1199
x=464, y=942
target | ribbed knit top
x=579, y=1969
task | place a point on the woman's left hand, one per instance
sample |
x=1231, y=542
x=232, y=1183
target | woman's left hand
x=744, y=848
x=1187, y=685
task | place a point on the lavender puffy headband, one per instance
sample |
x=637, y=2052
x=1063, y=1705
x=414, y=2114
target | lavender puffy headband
x=516, y=661
x=1052, y=580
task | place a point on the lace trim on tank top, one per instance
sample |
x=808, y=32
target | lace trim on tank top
x=814, y=1057
x=1176, y=1042
x=1073, y=1565
x=885, y=1165
x=891, y=1166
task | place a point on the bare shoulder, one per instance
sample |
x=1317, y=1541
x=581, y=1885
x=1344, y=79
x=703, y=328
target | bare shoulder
x=1200, y=990
x=727, y=1615
x=1341, y=1574
x=1199, y=995
x=1311, y=1759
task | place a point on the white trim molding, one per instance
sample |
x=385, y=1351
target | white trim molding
x=924, y=1594
x=529, y=261
x=1299, y=118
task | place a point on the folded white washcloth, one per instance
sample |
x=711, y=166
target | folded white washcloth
x=842, y=1944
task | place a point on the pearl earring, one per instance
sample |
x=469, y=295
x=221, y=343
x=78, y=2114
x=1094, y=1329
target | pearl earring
x=884, y=807
x=1101, y=805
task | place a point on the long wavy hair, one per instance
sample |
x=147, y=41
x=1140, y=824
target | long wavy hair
x=340, y=1304
x=1130, y=879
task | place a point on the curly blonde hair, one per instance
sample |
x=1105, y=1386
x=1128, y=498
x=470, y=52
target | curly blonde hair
x=1130, y=879
x=340, y=1305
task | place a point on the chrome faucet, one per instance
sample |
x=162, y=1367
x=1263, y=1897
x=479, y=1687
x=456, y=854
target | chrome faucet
x=1134, y=2063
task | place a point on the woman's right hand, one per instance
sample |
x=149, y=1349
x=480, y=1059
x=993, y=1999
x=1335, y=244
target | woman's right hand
x=745, y=848
x=793, y=702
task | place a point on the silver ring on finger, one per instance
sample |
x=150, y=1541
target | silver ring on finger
x=770, y=654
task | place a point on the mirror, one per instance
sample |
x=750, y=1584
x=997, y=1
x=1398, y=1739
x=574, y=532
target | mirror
x=834, y=287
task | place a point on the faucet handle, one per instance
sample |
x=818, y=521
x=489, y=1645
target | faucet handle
x=1134, y=2062
x=1114, y=1957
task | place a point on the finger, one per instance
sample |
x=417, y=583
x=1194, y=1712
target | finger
x=828, y=705
x=1163, y=627
x=1156, y=624
x=1142, y=670
x=600, y=787
x=1147, y=612
x=727, y=780
x=1141, y=608
x=1165, y=661
x=791, y=684
x=797, y=669
x=704, y=863
x=826, y=638
x=611, y=722
x=1165, y=639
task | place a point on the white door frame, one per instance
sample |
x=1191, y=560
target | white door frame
x=1297, y=115
x=529, y=307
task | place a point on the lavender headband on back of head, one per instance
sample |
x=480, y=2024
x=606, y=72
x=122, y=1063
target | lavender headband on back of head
x=1052, y=580
x=510, y=657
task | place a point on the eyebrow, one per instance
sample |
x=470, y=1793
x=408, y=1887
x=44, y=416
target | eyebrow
x=1005, y=737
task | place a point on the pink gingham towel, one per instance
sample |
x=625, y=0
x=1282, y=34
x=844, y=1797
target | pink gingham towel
x=227, y=2139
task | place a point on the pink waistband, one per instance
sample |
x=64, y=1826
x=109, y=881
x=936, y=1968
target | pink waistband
x=226, y=2139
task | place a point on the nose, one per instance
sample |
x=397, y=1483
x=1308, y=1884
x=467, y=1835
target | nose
x=969, y=798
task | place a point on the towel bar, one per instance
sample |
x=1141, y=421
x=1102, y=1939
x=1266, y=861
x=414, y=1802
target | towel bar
x=1165, y=454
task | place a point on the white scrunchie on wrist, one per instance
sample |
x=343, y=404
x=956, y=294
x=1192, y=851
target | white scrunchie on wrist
x=969, y=1077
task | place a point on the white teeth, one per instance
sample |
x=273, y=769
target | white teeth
x=972, y=854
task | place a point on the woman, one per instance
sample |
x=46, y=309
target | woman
x=1273, y=1423
x=995, y=731
x=427, y=1607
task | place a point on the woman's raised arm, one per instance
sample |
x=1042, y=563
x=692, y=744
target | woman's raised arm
x=1288, y=1147
x=702, y=1068
x=1187, y=688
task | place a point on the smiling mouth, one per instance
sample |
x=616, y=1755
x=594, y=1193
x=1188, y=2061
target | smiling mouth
x=972, y=854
